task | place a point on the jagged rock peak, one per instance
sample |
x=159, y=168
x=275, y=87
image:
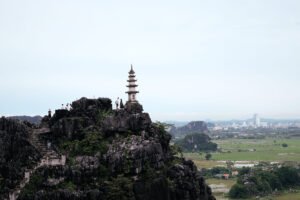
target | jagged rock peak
x=84, y=104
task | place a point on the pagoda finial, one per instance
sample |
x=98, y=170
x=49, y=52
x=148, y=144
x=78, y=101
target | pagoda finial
x=131, y=70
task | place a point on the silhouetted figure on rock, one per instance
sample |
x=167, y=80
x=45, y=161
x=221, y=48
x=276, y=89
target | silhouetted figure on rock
x=117, y=103
x=121, y=104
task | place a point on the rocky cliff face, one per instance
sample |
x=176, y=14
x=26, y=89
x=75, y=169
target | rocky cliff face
x=16, y=153
x=113, y=154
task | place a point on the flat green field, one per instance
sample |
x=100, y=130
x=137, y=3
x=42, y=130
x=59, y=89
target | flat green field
x=243, y=150
x=221, y=186
x=288, y=196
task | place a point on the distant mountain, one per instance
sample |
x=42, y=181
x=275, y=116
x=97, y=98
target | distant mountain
x=197, y=142
x=177, y=123
x=34, y=120
x=192, y=127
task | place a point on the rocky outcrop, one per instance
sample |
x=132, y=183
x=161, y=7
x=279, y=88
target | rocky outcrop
x=122, y=121
x=133, y=107
x=16, y=154
x=69, y=195
x=83, y=113
x=132, y=155
x=85, y=105
x=113, y=154
x=70, y=127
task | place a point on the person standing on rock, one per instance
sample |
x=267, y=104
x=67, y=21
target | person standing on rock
x=48, y=144
x=49, y=113
x=117, y=103
x=121, y=104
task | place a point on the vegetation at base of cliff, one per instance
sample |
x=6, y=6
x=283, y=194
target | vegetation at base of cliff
x=210, y=173
x=69, y=185
x=258, y=182
x=120, y=187
x=92, y=143
x=32, y=187
x=37, y=183
x=197, y=142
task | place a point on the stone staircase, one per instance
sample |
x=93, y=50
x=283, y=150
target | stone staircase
x=49, y=158
x=42, y=145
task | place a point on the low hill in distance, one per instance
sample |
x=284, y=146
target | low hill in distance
x=191, y=127
x=34, y=120
x=196, y=142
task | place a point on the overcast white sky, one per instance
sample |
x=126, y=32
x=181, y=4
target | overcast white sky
x=195, y=60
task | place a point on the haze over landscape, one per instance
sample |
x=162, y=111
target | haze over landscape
x=193, y=60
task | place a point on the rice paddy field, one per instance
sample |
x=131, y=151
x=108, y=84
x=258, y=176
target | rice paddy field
x=248, y=151
x=287, y=196
x=251, y=150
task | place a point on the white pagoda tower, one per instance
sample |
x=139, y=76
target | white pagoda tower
x=132, y=87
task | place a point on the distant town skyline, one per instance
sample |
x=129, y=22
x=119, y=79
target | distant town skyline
x=193, y=60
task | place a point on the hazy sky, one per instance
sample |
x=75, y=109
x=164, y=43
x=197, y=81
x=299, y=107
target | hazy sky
x=195, y=60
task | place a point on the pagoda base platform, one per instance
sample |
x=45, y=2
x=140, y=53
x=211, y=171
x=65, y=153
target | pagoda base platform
x=133, y=107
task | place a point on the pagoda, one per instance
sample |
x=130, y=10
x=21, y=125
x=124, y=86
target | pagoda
x=132, y=87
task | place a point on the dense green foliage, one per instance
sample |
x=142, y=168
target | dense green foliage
x=259, y=182
x=30, y=189
x=92, y=143
x=120, y=188
x=284, y=145
x=210, y=173
x=197, y=142
x=238, y=191
x=208, y=156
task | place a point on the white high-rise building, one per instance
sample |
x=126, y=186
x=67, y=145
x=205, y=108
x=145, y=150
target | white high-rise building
x=256, y=120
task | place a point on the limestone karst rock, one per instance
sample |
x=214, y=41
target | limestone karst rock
x=191, y=127
x=16, y=153
x=113, y=154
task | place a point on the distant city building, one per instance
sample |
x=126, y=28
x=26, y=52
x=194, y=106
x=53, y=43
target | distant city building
x=297, y=124
x=264, y=124
x=244, y=124
x=256, y=120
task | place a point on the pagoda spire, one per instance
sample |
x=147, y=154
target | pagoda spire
x=132, y=87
